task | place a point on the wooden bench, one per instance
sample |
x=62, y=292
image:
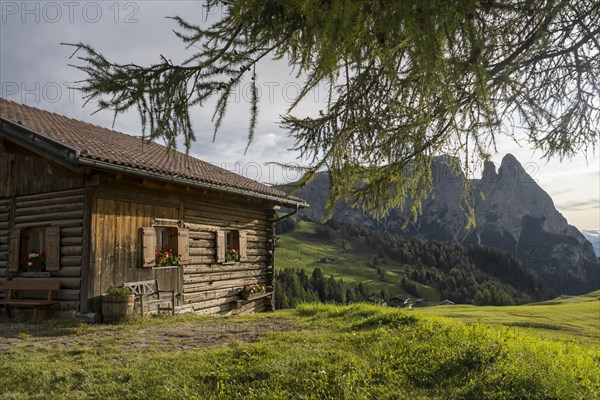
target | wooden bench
x=15, y=289
x=149, y=294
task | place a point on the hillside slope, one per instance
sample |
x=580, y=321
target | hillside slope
x=512, y=213
x=389, y=265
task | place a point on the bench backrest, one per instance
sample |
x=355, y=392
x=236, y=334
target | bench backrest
x=31, y=285
x=143, y=288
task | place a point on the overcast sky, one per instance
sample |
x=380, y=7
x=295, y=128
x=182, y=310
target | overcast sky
x=34, y=70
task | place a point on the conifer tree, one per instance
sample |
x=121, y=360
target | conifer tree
x=407, y=80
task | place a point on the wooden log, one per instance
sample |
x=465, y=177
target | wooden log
x=224, y=309
x=221, y=276
x=70, y=250
x=202, y=235
x=236, y=283
x=62, y=193
x=60, y=223
x=200, y=227
x=71, y=232
x=71, y=241
x=68, y=272
x=70, y=261
x=209, y=295
x=212, y=268
x=258, y=252
x=70, y=283
x=202, y=243
x=224, y=208
x=199, y=305
x=225, y=218
x=52, y=208
x=254, y=306
x=200, y=252
x=223, y=224
x=53, y=216
x=201, y=260
x=50, y=202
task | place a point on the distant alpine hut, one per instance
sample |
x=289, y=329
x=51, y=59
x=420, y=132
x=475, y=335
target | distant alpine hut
x=92, y=207
x=446, y=302
x=420, y=303
x=399, y=301
x=377, y=300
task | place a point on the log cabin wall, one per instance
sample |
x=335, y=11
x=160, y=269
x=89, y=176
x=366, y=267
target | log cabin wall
x=118, y=214
x=99, y=219
x=22, y=172
x=4, y=221
x=36, y=193
x=64, y=210
x=209, y=286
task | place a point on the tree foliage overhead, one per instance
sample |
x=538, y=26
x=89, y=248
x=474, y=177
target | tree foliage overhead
x=409, y=80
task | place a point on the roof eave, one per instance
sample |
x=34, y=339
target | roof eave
x=38, y=143
x=71, y=157
x=132, y=171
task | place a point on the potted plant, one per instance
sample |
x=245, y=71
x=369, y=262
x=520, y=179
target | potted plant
x=117, y=303
x=34, y=261
x=232, y=256
x=253, y=291
x=166, y=258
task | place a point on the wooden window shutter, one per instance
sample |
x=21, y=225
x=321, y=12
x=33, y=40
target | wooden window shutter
x=15, y=250
x=148, y=249
x=220, y=246
x=53, y=248
x=183, y=245
x=243, y=246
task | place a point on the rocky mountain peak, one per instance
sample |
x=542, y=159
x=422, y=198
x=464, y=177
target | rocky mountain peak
x=489, y=171
x=512, y=213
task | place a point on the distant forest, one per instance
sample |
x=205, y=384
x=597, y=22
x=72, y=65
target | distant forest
x=472, y=274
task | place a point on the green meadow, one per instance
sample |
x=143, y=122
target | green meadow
x=300, y=249
x=572, y=318
x=316, y=351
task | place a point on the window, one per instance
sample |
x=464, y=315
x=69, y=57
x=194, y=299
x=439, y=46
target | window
x=36, y=242
x=43, y=243
x=164, y=239
x=164, y=246
x=231, y=246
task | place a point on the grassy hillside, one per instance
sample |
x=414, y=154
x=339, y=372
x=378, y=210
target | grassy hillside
x=312, y=352
x=300, y=249
x=573, y=318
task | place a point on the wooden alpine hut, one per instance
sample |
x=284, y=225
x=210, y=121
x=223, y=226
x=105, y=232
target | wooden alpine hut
x=92, y=207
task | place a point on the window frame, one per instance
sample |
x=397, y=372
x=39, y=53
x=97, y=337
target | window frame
x=178, y=242
x=231, y=238
x=20, y=246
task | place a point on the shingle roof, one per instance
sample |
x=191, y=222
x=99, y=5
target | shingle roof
x=102, y=144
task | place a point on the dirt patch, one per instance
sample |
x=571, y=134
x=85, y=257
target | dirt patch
x=179, y=336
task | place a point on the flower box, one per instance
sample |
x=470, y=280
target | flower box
x=252, y=296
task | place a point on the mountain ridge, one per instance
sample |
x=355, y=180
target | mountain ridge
x=512, y=213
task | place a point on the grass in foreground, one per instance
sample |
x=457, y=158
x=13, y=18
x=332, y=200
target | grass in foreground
x=312, y=352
